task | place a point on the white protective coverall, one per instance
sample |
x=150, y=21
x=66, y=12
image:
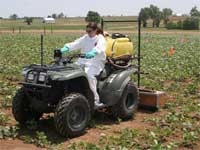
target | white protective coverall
x=95, y=65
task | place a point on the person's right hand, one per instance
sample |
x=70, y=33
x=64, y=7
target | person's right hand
x=64, y=49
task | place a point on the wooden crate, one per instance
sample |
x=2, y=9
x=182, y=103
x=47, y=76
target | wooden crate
x=152, y=99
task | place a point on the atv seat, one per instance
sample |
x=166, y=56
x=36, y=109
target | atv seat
x=104, y=73
x=118, y=63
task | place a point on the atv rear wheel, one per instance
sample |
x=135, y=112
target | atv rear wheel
x=72, y=115
x=21, y=109
x=128, y=103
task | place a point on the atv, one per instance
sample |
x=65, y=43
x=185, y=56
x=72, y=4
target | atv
x=62, y=88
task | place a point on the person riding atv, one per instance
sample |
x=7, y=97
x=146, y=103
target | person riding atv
x=74, y=91
x=92, y=44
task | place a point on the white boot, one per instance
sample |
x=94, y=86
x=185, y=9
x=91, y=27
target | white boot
x=98, y=104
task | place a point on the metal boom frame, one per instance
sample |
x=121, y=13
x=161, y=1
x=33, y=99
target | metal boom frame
x=139, y=40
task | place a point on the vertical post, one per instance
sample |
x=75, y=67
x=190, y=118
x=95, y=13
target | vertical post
x=102, y=24
x=51, y=28
x=139, y=50
x=20, y=30
x=44, y=30
x=13, y=30
x=42, y=39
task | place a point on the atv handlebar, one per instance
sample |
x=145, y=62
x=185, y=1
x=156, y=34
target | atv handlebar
x=68, y=59
x=58, y=54
x=79, y=56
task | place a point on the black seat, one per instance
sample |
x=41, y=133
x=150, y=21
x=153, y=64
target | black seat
x=105, y=73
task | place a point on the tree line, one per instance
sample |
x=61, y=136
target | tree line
x=29, y=20
x=156, y=15
x=54, y=15
x=91, y=16
x=152, y=12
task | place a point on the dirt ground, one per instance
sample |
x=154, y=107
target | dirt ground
x=105, y=125
x=104, y=128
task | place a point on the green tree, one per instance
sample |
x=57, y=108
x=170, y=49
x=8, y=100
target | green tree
x=144, y=16
x=61, y=15
x=93, y=17
x=191, y=24
x=155, y=15
x=28, y=20
x=195, y=12
x=158, y=19
x=166, y=12
x=14, y=16
x=54, y=15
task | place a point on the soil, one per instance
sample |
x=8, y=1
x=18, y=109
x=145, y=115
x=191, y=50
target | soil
x=105, y=126
x=16, y=145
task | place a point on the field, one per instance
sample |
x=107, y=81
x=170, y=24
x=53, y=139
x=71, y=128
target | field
x=76, y=24
x=61, y=24
x=176, y=126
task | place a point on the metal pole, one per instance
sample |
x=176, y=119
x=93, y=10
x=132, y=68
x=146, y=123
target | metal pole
x=102, y=24
x=51, y=28
x=139, y=40
x=44, y=30
x=42, y=39
x=20, y=29
x=139, y=50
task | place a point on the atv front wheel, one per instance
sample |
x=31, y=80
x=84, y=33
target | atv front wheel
x=21, y=109
x=72, y=115
x=128, y=103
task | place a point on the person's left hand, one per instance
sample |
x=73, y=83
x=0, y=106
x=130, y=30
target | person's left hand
x=91, y=54
x=65, y=49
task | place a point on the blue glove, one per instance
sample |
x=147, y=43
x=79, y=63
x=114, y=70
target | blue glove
x=64, y=49
x=91, y=54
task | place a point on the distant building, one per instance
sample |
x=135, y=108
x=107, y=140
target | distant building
x=179, y=15
x=49, y=20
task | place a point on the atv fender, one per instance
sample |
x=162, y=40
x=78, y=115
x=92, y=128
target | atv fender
x=76, y=82
x=112, y=89
x=67, y=75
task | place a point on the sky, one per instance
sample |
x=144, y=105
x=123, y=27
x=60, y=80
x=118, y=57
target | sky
x=44, y=8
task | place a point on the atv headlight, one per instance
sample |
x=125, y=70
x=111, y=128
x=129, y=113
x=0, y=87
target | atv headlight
x=30, y=77
x=42, y=77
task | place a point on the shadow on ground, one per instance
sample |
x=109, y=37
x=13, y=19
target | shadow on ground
x=46, y=125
